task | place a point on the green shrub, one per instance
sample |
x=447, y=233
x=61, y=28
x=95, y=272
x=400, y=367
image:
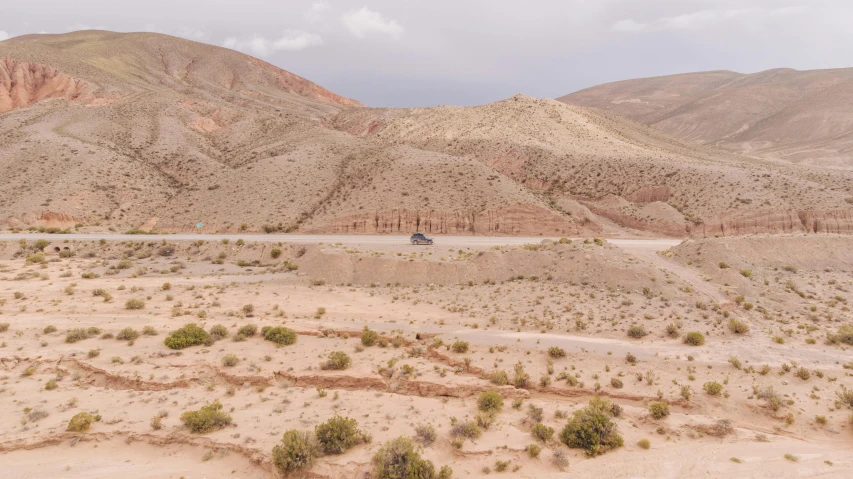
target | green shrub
x=51, y=385
x=499, y=377
x=219, y=331
x=659, y=409
x=746, y=273
x=369, y=337
x=490, y=401
x=295, y=452
x=275, y=253
x=81, y=422
x=713, y=388
x=399, y=459
x=209, y=418
x=49, y=329
x=592, y=429
x=533, y=450
x=149, y=331
x=77, y=334
x=230, y=360
x=445, y=473
x=338, y=434
x=247, y=331
x=556, y=352
x=542, y=432
x=279, y=335
x=694, y=338
x=134, y=303
x=844, y=335
x=188, y=335
x=338, y=360
x=637, y=331
x=644, y=443
x=127, y=334
x=724, y=265
x=737, y=326
x=459, y=347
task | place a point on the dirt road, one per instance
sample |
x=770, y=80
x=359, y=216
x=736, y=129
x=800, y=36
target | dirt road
x=656, y=244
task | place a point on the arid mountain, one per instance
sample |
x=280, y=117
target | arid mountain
x=798, y=116
x=105, y=130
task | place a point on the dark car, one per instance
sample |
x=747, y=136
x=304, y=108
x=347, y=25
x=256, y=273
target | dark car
x=419, y=238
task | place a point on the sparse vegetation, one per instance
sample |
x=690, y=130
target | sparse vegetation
x=209, y=417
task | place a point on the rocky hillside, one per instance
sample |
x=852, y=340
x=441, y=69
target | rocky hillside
x=102, y=130
x=797, y=116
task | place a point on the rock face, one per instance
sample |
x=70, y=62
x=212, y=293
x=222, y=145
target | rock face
x=22, y=84
x=774, y=221
x=517, y=220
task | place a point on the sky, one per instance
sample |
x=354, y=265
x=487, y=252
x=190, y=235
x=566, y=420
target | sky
x=406, y=53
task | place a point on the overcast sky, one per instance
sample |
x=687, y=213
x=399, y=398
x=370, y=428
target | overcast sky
x=464, y=52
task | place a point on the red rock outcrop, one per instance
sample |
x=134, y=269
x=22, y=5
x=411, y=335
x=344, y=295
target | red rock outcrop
x=514, y=220
x=22, y=84
x=774, y=221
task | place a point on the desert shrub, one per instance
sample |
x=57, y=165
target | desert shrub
x=724, y=265
x=746, y=273
x=127, y=334
x=219, y=331
x=445, y=473
x=279, y=335
x=737, y=326
x=134, y=303
x=230, y=360
x=556, y=352
x=275, y=253
x=499, y=377
x=637, y=331
x=51, y=385
x=644, y=443
x=77, y=334
x=533, y=450
x=735, y=362
x=4, y=327
x=209, y=418
x=694, y=338
x=425, y=434
x=49, y=329
x=369, y=337
x=468, y=429
x=247, y=331
x=845, y=396
x=338, y=434
x=542, y=432
x=93, y=353
x=459, y=347
x=399, y=459
x=535, y=413
x=659, y=409
x=186, y=336
x=616, y=383
x=713, y=388
x=149, y=331
x=803, y=373
x=338, y=360
x=248, y=309
x=81, y=422
x=592, y=429
x=844, y=335
x=295, y=452
x=560, y=459
x=672, y=330
x=490, y=401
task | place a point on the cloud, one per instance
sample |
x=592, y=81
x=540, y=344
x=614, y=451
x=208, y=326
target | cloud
x=191, y=33
x=4, y=35
x=317, y=13
x=291, y=40
x=702, y=19
x=364, y=22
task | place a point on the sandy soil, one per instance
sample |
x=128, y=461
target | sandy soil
x=418, y=379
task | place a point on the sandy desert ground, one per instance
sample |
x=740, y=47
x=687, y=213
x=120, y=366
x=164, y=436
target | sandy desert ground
x=548, y=325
